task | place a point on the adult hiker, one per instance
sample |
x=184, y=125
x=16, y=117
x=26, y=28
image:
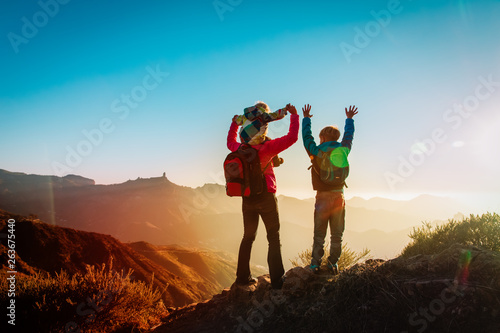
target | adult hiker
x=264, y=203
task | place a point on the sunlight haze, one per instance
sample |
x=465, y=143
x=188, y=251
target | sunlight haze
x=136, y=90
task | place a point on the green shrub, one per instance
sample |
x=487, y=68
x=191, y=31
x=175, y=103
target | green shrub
x=478, y=230
x=101, y=300
x=347, y=258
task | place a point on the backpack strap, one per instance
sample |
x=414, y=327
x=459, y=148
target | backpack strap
x=313, y=166
x=271, y=161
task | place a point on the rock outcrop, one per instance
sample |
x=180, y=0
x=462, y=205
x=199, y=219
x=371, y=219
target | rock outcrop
x=457, y=290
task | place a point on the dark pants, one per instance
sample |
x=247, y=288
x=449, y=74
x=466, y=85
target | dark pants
x=329, y=209
x=266, y=206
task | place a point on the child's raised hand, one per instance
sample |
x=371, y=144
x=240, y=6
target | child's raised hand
x=353, y=110
x=292, y=109
x=306, y=110
x=235, y=117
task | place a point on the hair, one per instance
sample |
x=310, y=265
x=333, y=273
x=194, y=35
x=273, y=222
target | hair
x=262, y=105
x=329, y=133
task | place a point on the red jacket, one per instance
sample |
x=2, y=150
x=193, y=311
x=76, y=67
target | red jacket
x=268, y=149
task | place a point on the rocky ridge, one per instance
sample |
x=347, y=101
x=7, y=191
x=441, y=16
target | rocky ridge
x=457, y=290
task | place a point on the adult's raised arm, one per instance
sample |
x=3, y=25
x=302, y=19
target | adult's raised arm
x=278, y=145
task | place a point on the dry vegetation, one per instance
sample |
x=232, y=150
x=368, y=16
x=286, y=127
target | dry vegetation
x=101, y=300
x=347, y=258
x=477, y=230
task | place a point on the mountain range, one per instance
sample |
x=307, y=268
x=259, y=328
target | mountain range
x=159, y=212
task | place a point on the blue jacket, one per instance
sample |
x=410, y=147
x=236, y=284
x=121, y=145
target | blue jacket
x=314, y=150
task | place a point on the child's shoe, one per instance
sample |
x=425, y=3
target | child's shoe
x=334, y=269
x=314, y=268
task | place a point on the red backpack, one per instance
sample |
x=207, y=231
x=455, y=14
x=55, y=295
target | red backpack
x=243, y=173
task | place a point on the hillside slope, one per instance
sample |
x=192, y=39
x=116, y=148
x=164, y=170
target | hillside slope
x=184, y=276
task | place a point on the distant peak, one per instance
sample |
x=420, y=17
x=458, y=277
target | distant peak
x=79, y=180
x=17, y=178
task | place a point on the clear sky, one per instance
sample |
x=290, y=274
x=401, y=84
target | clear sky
x=115, y=90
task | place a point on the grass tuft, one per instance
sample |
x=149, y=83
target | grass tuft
x=478, y=230
x=101, y=300
x=347, y=258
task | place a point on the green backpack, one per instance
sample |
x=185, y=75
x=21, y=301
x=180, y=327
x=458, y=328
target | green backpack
x=332, y=166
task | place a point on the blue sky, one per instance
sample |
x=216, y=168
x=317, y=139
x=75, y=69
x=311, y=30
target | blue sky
x=72, y=76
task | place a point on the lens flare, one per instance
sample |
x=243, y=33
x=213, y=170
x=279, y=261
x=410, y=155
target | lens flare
x=338, y=157
x=463, y=266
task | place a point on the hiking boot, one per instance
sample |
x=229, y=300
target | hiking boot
x=334, y=269
x=314, y=268
x=249, y=281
